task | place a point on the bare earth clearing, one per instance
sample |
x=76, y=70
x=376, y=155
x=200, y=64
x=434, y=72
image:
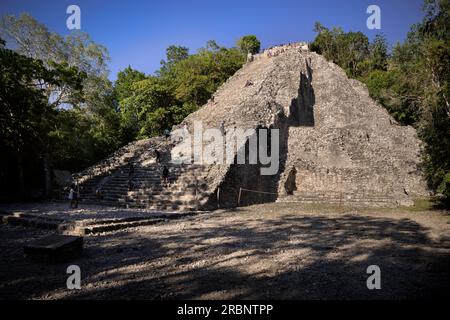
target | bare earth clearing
x=278, y=251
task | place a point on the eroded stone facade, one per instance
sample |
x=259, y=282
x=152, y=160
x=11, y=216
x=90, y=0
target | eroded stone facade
x=336, y=143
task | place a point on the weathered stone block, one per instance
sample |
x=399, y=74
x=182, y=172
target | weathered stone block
x=55, y=247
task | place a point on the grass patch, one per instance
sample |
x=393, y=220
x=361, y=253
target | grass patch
x=426, y=204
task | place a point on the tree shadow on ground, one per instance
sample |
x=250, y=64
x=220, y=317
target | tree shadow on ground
x=285, y=257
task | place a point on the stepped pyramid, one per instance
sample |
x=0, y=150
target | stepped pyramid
x=336, y=145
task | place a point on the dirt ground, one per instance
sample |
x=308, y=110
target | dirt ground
x=272, y=251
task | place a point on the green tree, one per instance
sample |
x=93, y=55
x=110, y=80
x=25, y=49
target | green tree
x=181, y=86
x=32, y=39
x=174, y=54
x=379, y=53
x=27, y=116
x=434, y=37
x=75, y=51
x=349, y=50
x=249, y=44
x=125, y=79
x=149, y=100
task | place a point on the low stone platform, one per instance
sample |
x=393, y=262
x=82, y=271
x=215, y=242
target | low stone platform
x=354, y=202
x=86, y=220
x=55, y=247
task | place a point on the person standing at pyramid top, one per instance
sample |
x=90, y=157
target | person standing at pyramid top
x=249, y=57
x=167, y=133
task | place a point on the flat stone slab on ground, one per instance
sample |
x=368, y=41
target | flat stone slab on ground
x=86, y=220
x=55, y=247
x=85, y=212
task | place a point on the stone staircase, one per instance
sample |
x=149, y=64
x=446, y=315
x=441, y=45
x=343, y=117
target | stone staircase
x=111, y=178
x=183, y=191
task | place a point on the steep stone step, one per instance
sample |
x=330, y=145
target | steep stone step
x=114, y=226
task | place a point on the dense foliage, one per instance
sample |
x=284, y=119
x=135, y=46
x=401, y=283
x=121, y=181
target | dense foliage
x=412, y=82
x=28, y=118
x=249, y=44
x=150, y=104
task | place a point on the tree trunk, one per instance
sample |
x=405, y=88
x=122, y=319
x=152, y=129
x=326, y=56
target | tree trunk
x=20, y=177
x=47, y=176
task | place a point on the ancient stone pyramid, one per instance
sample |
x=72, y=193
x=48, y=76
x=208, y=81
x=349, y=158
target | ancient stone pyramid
x=336, y=145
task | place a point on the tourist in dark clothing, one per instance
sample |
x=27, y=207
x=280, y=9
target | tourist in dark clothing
x=165, y=175
x=157, y=156
x=130, y=185
x=130, y=176
x=167, y=133
x=130, y=171
x=99, y=194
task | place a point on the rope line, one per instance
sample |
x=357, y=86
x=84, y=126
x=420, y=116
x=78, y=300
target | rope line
x=256, y=191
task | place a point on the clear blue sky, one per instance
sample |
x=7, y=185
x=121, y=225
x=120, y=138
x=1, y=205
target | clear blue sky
x=136, y=32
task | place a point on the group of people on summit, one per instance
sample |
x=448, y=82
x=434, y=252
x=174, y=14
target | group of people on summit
x=274, y=51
